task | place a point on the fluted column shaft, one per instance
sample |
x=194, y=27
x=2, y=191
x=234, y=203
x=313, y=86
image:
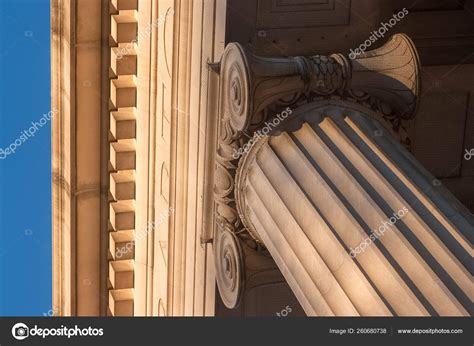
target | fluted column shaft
x=353, y=221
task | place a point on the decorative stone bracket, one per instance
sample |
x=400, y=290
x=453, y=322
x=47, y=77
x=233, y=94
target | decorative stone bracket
x=253, y=89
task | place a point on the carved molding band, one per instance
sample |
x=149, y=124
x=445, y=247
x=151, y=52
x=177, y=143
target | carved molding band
x=123, y=96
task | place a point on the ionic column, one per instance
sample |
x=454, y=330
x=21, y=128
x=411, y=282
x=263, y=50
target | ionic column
x=354, y=223
x=317, y=188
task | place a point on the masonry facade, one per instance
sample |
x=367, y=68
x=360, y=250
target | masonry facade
x=154, y=215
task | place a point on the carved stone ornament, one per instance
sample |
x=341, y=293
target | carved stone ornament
x=254, y=89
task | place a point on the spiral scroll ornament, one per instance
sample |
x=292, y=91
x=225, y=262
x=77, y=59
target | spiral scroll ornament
x=229, y=267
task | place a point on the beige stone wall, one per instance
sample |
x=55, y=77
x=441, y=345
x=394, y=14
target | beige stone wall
x=169, y=271
x=133, y=146
x=79, y=157
x=175, y=136
x=180, y=275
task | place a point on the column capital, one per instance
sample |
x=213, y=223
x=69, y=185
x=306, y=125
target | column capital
x=254, y=89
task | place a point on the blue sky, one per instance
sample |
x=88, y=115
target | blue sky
x=25, y=176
